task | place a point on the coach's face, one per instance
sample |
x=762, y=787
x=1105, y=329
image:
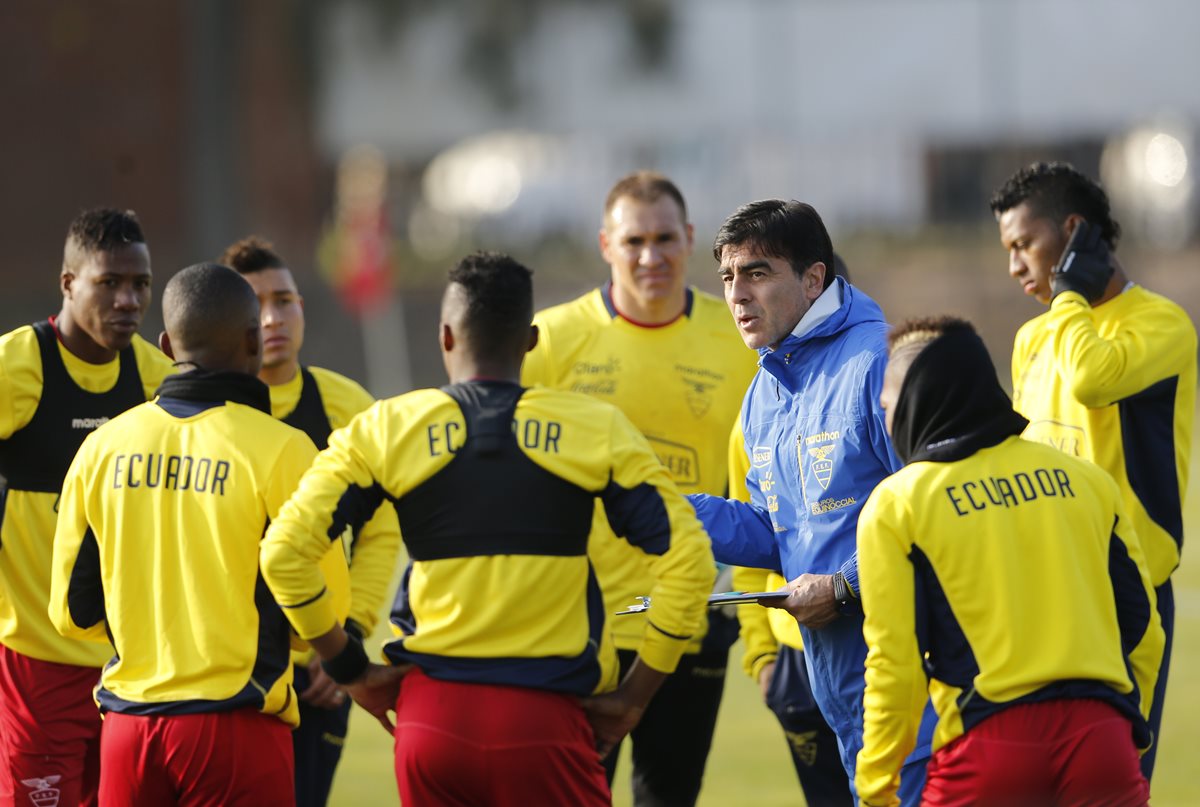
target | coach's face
x=765, y=295
x=1034, y=244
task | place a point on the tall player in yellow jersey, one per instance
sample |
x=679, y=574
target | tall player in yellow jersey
x=669, y=357
x=316, y=401
x=963, y=554
x=1109, y=372
x=59, y=379
x=157, y=551
x=502, y=626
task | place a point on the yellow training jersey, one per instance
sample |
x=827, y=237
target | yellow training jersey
x=28, y=512
x=1008, y=577
x=495, y=486
x=1116, y=384
x=681, y=384
x=157, y=550
x=318, y=401
x=762, y=630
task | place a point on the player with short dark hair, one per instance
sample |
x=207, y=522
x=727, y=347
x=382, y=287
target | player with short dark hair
x=667, y=355
x=962, y=554
x=316, y=401
x=504, y=641
x=157, y=549
x=59, y=379
x=1108, y=373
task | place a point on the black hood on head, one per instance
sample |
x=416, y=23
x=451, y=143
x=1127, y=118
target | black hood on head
x=951, y=404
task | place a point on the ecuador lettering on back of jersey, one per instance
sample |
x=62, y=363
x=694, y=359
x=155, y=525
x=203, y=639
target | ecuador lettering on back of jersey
x=531, y=433
x=181, y=472
x=1008, y=491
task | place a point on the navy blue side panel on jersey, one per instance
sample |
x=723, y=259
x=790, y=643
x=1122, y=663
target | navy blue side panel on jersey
x=1148, y=439
x=638, y=511
x=85, y=591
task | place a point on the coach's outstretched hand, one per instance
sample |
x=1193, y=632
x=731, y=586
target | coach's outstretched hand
x=614, y=714
x=376, y=691
x=811, y=600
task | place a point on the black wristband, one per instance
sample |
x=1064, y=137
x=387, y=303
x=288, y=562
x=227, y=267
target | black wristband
x=843, y=595
x=354, y=629
x=349, y=664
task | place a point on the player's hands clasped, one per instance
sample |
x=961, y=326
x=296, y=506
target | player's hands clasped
x=1085, y=265
x=322, y=691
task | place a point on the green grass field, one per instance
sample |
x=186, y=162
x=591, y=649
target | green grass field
x=749, y=762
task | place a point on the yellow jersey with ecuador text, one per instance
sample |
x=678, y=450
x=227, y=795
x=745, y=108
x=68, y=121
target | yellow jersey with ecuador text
x=495, y=486
x=372, y=551
x=158, y=548
x=27, y=517
x=1011, y=576
x=681, y=384
x=1116, y=384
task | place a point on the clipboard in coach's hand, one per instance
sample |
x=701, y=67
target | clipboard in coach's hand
x=726, y=598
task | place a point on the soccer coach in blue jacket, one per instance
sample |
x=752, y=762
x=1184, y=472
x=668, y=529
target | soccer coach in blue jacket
x=814, y=433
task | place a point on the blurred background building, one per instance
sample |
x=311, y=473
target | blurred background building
x=377, y=140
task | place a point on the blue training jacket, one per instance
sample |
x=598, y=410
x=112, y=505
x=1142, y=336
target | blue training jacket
x=818, y=446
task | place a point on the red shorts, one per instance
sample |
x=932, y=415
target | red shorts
x=1061, y=752
x=243, y=757
x=468, y=744
x=49, y=732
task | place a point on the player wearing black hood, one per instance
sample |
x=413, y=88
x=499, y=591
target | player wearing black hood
x=1002, y=578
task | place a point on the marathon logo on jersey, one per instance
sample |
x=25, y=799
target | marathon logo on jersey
x=820, y=449
x=682, y=461
x=43, y=793
x=88, y=423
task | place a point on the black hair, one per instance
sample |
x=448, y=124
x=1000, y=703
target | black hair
x=497, y=293
x=790, y=230
x=207, y=305
x=251, y=254
x=1055, y=191
x=101, y=229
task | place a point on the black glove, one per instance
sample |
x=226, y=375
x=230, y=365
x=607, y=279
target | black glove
x=1084, y=266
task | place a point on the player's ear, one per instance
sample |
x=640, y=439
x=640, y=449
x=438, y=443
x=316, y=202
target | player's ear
x=164, y=344
x=447, y=337
x=533, y=338
x=1070, y=223
x=253, y=340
